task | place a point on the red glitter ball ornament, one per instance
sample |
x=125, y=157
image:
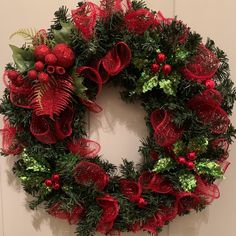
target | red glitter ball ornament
x=190, y=165
x=41, y=51
x=51, y=59
x=155, y=67
x=12, y=74
x=32, y=74
x=55, y=177
x=210, y=84
x=65, y=55
x=39, y=66
x=48, y=182
x=166, y=69
x=56, y=186
x=161, y=57
x=181, y=160
x=192, y=156
x=43, y=77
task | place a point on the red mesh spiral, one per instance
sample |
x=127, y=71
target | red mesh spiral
x=10, y=144
x=168, y=213
x=88, y=172
x=110, y=209
x=202, y=66
x=165, y=132
x=41, y=130
x=102, y=72
x=40, y=37
x=117, y=59
x=213, y=94
x=135, y=227
x=207, y=192
x=72, y=216
x=63, y=124
x=159, y=17
x=153, y=223
x=20, y=100
x=84, y=147
x=91, y=105
x=210, y=112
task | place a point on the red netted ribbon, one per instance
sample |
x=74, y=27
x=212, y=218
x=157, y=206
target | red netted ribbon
x=87, y=172
x=84, y=147
x=154, y=182
x=165, y=132
x=10, y=144
x=72, y=216
x=91, y=105
x=110, y=209
x=209, y=111
x=202, y=66
x=40, y=37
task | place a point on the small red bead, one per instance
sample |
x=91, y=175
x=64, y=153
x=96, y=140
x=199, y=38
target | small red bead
x=210, y=84
x=48, y=182
x=60, y=70
x=39, y=66
x=55, y=177
x=43, y=77
x=181, y=160
x=12, y=74
x=32, y=74
x=155, y=67
x=142, y=203
x=56, y=186
x=190, y=165
x=192, y=156
x=166, y=69
x=51, y=59
x=161, y=57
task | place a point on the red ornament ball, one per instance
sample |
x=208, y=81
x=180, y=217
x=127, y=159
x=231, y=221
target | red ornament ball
x=43, y=77
x=51, y=59
x=32, y=74
x=56, y=186
x=190, y=165
x=210, y=84
x=41, y=51
x=39, y=66
x=192, y=156
x=182, y=160
x=48, y=182
x=166, y=69
x=161, y=57
x=155, y=67
x=55, y=177
x=12, y=74
x=65, y=55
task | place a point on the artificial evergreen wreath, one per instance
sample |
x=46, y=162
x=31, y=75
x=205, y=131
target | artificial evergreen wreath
x=184, y=87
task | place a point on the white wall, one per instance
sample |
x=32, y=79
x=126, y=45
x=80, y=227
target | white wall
x=115, y=127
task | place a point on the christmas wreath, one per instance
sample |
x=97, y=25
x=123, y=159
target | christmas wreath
x=183, y=84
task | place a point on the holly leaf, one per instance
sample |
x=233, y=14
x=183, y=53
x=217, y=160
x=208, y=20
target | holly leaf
x=23, y=58
x=63, y=35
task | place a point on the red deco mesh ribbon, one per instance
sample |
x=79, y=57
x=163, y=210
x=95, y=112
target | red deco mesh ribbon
x=202, y=66
x=110, y=209
x=40, y=37
x=131, y=189
x=91, y=105
x=10, y=144
x=165, y=132
x=154, y=182
x=87, y=172
x=72, y=216
x=153, y=223
x=210, y=112
x=84, y=147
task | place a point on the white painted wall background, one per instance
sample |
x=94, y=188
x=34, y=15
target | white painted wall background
x=120, y=126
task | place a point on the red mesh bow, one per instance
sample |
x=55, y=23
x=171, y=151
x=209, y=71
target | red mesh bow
x=202, y=66
x=165, y=132
x=153, y=223
x=84, y=147
x=87, y=172
x=210, y=112
x=72, y=216
x=110, y=209
x=91, y=105
x=40, y=37
x=10, y=144
x=154, y=182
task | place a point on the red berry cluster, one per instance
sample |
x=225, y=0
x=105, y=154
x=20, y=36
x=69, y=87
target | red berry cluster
x=15, y=77
x=161, y=65
x=51, y=61
x=53, y=182
x=188, y=160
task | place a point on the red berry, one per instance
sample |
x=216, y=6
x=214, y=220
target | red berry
x=12, y=74
x=41, y=51
x=142, y=203
x=32, y=74
x=161, y=57
x=39, y=66
x=60, y=70
x=43, y=77
x=190, y=165
x=210, y=84
x=50, y=69
x=192, y=156
x=155, y=67
x=48, y=182
x=65, y=55
x=56, y=186
x=181, y=160
x=51, y=59
x=55, y=177
x=166, y=69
